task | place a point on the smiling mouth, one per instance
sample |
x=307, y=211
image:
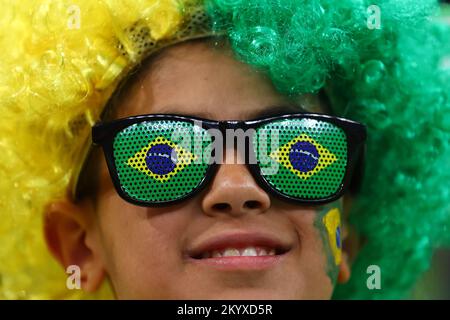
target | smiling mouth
x=248, y=258
x=239, y=250
x=247, y=251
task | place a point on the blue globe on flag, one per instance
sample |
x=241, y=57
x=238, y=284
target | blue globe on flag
x=161, y=159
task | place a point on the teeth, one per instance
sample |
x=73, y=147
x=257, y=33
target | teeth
x=216, y=254
x=262, y=252
x=244, y=252
x=249, y=252
x=231, y=253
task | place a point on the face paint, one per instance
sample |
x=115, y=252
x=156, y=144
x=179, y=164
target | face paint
x=332, y=221
x=328, y=223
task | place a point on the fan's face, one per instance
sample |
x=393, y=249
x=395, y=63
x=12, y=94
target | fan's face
x=146, y=252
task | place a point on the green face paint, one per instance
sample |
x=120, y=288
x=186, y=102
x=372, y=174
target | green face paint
x=328, y=223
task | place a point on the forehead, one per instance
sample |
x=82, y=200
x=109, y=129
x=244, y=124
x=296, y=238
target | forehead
x=204, y=79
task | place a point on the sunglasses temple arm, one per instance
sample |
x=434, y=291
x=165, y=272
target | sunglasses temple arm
x=98, y=134
x=358, y=171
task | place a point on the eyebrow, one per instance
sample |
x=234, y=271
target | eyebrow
x=277, y=110
x=268, y=111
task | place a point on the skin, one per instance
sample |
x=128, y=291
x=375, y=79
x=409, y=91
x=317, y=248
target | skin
x=141, y=249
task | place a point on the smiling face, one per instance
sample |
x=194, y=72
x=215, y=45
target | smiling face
x=194, y=249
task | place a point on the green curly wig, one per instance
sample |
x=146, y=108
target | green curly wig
x=395, y=78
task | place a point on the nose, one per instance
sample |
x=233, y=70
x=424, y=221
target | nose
x=234, y=191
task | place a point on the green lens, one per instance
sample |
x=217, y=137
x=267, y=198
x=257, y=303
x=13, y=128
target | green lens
x=160, y=161
x=302, y=158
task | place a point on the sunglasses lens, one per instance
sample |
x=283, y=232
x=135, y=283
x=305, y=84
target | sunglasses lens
x=160, y=161
x=305, y=159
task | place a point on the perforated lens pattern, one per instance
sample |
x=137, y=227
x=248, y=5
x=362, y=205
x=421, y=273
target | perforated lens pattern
x=311, y=156
x=153, y=166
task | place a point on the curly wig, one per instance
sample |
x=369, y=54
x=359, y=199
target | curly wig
x=385, y=63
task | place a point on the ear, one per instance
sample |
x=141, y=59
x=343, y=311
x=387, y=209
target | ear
x=344, y=269
x=71, y=235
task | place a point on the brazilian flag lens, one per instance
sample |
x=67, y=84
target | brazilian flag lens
x=160, y=161
x=309, y=157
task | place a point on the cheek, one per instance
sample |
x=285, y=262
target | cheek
x=312, y=255
x=140, y=251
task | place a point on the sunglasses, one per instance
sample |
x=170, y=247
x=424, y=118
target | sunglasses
x=162, y=159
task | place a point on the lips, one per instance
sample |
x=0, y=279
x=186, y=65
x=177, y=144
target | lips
x=239, y=250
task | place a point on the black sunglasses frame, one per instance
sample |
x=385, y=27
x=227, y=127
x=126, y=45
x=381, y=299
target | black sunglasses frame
x=103, y=134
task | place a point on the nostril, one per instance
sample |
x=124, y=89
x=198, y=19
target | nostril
x=221, y=207
x=252, y=204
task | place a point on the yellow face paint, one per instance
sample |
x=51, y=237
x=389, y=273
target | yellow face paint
x=332, y=222
x=328, y=223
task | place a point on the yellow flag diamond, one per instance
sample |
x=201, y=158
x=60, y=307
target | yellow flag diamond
x=164, y=160
x=315, y=156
